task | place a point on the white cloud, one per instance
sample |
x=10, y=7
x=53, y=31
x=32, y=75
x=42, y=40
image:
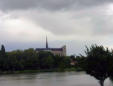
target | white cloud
x=20, y=29
x=75, y=28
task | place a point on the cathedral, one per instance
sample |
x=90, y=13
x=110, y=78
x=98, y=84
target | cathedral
x=56, y=51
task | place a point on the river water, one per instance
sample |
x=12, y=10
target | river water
x=50, y=79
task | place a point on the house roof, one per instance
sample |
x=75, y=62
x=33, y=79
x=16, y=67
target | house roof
x=52, y=49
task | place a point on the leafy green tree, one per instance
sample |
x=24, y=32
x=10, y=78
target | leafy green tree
x=31, y=60
x=3, y=59
x=80, y=62
x=48, y=62
x=62, y=62
x=14, y=60
x=45, y=60
x=2, y=50
x=97, y=62
x=111, y=66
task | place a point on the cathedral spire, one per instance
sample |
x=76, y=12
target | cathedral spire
x=46, y=42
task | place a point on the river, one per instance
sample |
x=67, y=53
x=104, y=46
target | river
x=50, y=79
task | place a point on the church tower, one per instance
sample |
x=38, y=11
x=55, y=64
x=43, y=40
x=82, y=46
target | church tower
x=55, y=51
x=46, y=43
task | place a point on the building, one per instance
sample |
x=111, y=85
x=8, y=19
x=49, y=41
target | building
x=56, y=51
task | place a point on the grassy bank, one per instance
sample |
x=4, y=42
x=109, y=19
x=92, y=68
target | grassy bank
x=38, y=71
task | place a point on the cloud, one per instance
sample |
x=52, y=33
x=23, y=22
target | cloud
x=87, y=22
x=76, y=23
x=19, y=29
x=50, y=4
x=61, y=23
x=84, y=24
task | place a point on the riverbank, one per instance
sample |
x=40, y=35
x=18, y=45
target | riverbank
x=39, y=71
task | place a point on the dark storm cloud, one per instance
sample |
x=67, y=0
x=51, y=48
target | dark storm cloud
x=50, y=4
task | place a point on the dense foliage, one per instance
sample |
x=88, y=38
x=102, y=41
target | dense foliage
x=31, y=60
x=98, y=63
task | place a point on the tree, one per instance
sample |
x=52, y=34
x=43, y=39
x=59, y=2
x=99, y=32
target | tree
x=3, y=50
x=97, y=62
x=3, y=59
x=30, y=59
x=80, y=62
x=111, y=67
x=45, y=60
x=61, y=62
x=15, y=60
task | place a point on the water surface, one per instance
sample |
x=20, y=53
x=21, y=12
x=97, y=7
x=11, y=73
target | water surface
x=50, y=79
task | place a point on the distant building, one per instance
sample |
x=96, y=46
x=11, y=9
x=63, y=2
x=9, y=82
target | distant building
x=56, y=51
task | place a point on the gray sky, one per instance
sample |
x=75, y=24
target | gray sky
x=75, y=23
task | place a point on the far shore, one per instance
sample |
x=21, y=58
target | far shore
x=39, y=71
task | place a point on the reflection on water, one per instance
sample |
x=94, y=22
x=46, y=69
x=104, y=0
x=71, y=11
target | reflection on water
x=50, y=79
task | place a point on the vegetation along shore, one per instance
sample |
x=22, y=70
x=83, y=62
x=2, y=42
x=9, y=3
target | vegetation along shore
x=97, y=62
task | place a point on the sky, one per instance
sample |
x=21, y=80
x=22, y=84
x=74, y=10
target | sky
x=74, y=23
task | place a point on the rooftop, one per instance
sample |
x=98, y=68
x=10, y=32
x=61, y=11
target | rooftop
x=53, y=49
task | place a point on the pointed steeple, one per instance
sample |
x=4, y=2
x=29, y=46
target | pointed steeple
x=46, y=42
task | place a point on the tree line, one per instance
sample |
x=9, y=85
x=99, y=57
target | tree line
x=29, y=59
